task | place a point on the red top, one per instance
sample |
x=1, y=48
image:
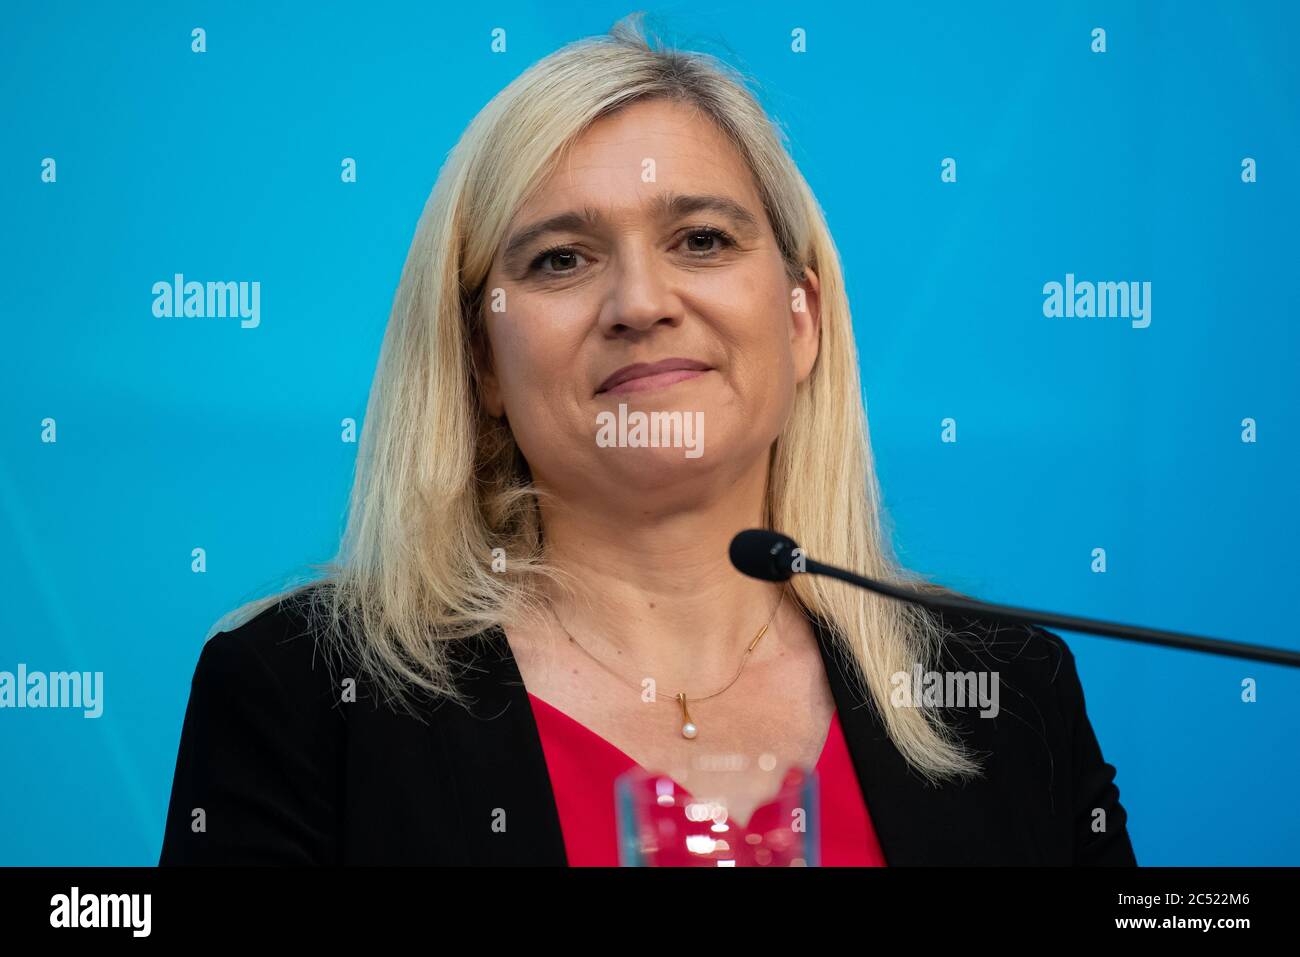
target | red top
x=583, y=765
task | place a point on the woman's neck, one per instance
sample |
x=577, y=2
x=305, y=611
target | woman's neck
x=661, y=592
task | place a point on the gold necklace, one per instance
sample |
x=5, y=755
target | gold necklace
x=689, y=728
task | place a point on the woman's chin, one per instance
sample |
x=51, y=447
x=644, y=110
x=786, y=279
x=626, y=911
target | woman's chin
x=649, y=466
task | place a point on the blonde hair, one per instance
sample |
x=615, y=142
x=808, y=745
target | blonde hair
x=440, y=484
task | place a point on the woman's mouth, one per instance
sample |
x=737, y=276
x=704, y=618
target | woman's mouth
x=643, y=377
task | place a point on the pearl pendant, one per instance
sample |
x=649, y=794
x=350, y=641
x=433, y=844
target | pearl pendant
x=688, y=727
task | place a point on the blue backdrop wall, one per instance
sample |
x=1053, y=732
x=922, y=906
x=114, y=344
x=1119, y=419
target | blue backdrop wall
x=966, y=154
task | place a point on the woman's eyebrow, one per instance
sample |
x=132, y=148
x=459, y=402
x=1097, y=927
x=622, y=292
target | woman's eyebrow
x=673, y=206
x=589, y=218
x=664, y=206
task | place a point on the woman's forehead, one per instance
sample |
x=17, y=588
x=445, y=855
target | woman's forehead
x=638, y=162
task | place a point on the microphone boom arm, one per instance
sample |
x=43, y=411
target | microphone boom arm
x=1151, y=636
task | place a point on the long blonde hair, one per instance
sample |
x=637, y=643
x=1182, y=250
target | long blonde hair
x=439, y=484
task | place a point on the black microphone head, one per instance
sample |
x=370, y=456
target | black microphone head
x=763, y=554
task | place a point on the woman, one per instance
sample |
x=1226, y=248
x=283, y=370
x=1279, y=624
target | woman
x=532, y=596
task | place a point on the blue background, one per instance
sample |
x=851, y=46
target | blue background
x=1072, y=433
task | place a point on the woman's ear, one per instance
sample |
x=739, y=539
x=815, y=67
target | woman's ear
x=489, y=387
x=805, y=323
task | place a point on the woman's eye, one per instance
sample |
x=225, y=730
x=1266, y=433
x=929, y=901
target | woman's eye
x=706, y=237
x=562, y=259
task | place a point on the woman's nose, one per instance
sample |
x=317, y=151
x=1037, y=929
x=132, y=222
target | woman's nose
x=641, y=296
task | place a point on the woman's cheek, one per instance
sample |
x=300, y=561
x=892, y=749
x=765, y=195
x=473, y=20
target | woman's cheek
x=529, y=363
x=546, y=413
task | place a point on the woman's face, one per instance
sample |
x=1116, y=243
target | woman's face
x=644, y=274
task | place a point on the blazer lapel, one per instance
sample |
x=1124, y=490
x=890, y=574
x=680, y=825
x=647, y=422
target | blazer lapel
x=496, y=765
x=915, y=822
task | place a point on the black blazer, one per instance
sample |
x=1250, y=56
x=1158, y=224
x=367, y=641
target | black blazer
x=285, y=773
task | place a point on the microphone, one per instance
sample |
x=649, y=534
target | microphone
x=765, y=555
x=773, y=557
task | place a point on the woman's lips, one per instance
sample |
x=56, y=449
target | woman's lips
x=643, y=376
x=656, y=380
